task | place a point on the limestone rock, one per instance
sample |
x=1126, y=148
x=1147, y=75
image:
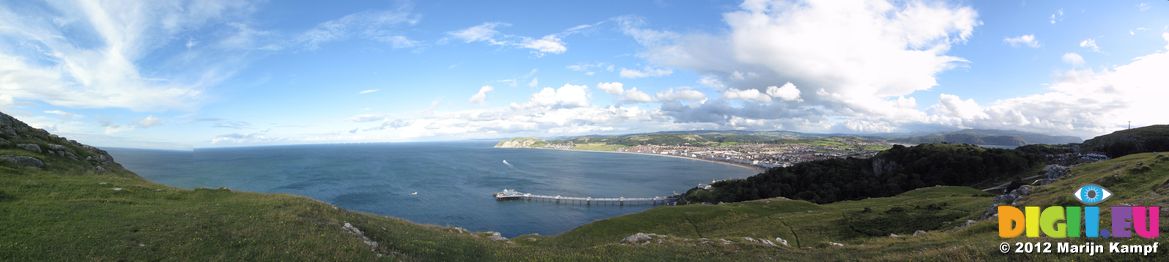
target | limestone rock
x=496, y=236
x=23, y=161
x=639, y=238
x=30, y=147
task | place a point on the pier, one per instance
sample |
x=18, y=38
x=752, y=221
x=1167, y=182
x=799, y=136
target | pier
x=509, y=194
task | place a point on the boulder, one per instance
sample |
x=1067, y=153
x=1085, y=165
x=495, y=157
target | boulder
x=23, y=161
x=7, y=126
x=919, y=233
x=781, y=241
x=638, y=238
x=30, y=147
x=496, y=236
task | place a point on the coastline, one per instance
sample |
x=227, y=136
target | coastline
x=751, y=167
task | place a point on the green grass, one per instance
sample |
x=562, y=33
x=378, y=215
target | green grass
x=597, y=147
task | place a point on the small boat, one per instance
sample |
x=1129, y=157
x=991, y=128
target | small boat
x=414, y=194
x=508, y=164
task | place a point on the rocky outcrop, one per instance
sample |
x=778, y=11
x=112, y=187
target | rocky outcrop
x=30, y=147
x=44, y=147
x=495, y=236
x=639, y=238
x=23, y=161
x=349, y=228
x=517, y=143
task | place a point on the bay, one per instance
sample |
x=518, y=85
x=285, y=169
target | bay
x=453, y=180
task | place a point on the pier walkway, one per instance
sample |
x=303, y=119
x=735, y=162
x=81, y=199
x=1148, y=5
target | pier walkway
x=509, y=194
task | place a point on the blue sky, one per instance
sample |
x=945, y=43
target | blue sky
x=178, y=74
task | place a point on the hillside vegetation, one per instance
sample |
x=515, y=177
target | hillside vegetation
x=1137, y=140
x=888, y=173
x=886, y=229
x=1008, y=138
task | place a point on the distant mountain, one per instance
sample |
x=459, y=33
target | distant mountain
x=691, y=137
x=1137, y=140
x=992, y=137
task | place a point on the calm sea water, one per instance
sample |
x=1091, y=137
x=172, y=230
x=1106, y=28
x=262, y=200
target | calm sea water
x=454, y=180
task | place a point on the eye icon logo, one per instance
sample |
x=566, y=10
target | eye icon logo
x=1092, y=194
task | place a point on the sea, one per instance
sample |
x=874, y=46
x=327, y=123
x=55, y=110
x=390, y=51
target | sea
x=439, y=183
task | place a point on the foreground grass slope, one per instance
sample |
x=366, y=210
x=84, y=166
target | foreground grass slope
x=1140, y=179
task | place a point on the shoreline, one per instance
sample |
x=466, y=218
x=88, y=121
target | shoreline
x=751, y=167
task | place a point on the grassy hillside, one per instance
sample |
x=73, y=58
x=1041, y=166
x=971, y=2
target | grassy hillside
x=1137, y=140
x=1141, y=179
x=989, y=137
x=888, y=173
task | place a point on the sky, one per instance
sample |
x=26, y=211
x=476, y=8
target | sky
x=197, y=74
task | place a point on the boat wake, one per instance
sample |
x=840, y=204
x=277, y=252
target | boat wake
x=508, y=164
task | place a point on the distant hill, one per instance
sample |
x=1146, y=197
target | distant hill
x=692, y=137
x=1137, y=140
x=994, y=137
x=889, y=173
x=696, y=137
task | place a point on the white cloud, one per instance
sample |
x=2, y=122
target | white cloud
x=64, y=114
x=645, y=72
x=961, y=110
x=93, y=59
x=748, y=95
x=590, y=69
x=378, y=25
x=1165, y=36
x=567, y=96
x=534, y=82
x=368, y=91
x=487, y=33
x=859, y=58
x=634, y=95
x=681, y=94
x=788, y=92
x=615, y=88
x=484, y=32
x=1023, y=40
x=481, y=96
x=712, y=82
x=1079, y=102
x=549, y=44
x=625, y=95
x=399, y=41
x=1090, y=44
x=1073, y=58
x=1057, y=16
x=1144, y=6
x=149, y=121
